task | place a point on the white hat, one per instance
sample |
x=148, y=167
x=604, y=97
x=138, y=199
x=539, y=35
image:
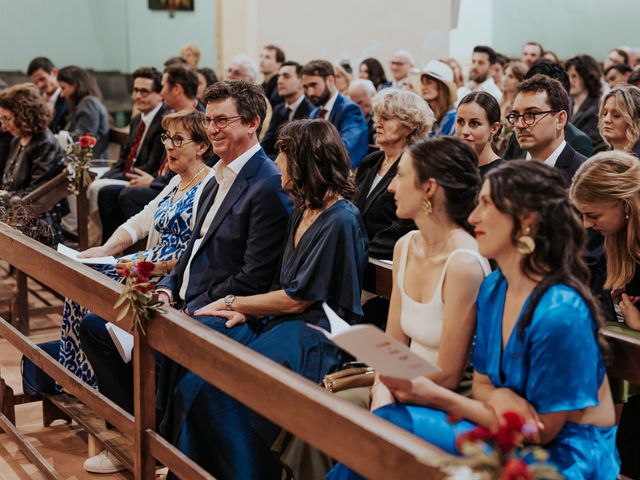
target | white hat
x=442, y=72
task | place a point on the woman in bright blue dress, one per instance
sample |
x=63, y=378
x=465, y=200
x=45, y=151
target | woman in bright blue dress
x=167, y=221
x=536, y=348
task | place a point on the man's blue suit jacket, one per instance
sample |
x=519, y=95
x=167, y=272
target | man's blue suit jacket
x=347, y=117
x=241, y=250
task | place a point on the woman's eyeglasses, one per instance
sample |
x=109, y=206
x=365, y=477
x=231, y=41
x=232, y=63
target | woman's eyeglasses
x=177, y=140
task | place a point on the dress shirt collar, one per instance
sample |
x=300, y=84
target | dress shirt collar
x=294, y=106
x=236, y=165
x=54, y=98
x=553, y=158
x=147, y=118
x=329, y=105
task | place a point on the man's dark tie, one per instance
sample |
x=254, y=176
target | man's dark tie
x=289, y=112
x=323, y=113
x=133, y=152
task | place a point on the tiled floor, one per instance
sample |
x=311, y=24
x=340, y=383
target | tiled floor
x=63, y=446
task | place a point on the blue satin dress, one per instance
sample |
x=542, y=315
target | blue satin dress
x=222, y=435
x=555, y=364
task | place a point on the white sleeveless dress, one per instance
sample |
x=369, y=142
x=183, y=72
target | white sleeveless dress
x=422, y=322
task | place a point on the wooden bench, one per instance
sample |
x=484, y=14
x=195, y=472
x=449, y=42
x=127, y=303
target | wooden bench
x=296, y=404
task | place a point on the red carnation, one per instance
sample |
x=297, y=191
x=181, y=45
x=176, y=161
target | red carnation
x=506, y=439
x=515, y=469
x=87, y=141
x=513, y=421
x=145, y=268
x=477, y=434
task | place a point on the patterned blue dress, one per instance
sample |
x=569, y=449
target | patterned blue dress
x=555, y=364
x=172, y=222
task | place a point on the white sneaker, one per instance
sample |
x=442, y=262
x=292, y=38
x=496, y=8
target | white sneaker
x=104, y=462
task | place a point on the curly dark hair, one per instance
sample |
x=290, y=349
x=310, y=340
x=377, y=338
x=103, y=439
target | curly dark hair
x=152, y=74
x=454, y=165
x=317, y=162
x=376, y=71
x=557, y=96
x=30, y=111
x=589, y=70
x=249, y=98
x=523, y=187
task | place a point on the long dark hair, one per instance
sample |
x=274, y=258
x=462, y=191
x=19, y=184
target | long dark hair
x=524, y=187
x=83, y=82
x=376, y=71
x=317, y=162
x=454, y=165
x=488, y=103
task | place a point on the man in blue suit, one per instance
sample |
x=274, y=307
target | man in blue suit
x=319, y=85
x=235, y=246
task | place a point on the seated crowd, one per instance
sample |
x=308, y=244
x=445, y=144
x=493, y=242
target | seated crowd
x=260, y=201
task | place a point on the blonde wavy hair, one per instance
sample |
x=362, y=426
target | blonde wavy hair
x=408, y=107
x=628, y=105
x=610, y=179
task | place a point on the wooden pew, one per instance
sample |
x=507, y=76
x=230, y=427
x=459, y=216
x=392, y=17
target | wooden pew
x=368, y=444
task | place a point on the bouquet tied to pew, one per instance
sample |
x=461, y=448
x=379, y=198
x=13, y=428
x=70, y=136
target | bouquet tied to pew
x=78, y=156
x=138, y=295
x=488, y=455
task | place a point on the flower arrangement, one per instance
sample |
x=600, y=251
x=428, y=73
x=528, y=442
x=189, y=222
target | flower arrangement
x=78, y=155
x=491, y=455
x=139, y=294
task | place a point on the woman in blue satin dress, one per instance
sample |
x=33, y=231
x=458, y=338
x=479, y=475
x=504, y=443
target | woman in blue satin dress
x=166, y=221
x=536, y=349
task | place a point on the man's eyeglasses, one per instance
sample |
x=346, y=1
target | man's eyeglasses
x=142, y=91
x=177, y=141
x=223, y=122
x=528, y=118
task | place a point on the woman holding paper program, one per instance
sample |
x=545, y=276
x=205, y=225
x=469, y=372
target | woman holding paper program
x=437, y=272
x=536, y=348
x=166, y=221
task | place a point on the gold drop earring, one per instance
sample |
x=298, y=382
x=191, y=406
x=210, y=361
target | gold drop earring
x=426, y=206
x=526, y=245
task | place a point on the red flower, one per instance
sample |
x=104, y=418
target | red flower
x=144, y=287
x=145, y=268
x=477, y=434
x=515, y=469
x=87, y=141
x=506, y=439
x=513, y=421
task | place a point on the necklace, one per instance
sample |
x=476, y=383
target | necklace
x=182, y=189
x=443, y=242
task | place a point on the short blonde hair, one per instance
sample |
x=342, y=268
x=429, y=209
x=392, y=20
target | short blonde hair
x=613, y=178
x=191, y=47
x=408, y=107
x=628, y=104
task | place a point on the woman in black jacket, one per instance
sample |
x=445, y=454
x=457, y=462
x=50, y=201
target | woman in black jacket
x=401, y=118
x=34, y=154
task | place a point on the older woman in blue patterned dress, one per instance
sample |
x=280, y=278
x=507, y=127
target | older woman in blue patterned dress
x=167, y=222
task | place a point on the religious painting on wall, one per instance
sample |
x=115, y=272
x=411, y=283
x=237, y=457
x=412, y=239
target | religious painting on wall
x=172, y=5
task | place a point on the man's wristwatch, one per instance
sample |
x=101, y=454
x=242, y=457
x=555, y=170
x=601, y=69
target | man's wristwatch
x=228, y=301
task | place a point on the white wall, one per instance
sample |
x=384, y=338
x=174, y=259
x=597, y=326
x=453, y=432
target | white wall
x=350, y=29
x=102, y=34
x=475, y=27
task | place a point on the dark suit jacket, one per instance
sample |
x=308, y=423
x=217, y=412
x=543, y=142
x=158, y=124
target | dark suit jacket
x=378, y=209
x=579, y=140
x=59, y=116
x=569, y=161
x=150, y=153
x=586, y=119
x=347, y=117
x=240, y=251
x=271, y=92
x=278, y=119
